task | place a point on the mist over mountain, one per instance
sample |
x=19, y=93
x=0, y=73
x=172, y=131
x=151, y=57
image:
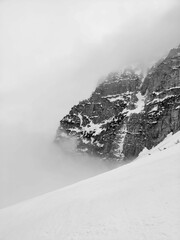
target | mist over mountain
x=109, y=71
x=52, y=54
x=127, y=112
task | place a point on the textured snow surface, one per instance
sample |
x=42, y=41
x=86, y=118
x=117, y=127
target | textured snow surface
x=137, y=201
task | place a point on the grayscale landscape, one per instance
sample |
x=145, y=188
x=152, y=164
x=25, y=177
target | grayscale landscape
x=90, y=119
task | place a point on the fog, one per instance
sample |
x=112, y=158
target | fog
x=32, y=165
x=52, y=54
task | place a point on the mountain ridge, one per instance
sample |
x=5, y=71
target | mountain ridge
x=127, y=113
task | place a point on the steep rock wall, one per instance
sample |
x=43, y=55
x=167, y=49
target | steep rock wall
x=124, y=115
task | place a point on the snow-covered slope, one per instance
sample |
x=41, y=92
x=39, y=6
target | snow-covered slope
x=137, y=201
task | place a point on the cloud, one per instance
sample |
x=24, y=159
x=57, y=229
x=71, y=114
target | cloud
x=54, y=52
x=32, y=165
x=52, y=55
x=142, y=40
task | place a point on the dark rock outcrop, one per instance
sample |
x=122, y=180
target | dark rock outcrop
x=125, y=114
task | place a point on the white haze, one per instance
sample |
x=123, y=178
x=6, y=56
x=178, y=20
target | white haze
x=33, y=165
x=52, y=54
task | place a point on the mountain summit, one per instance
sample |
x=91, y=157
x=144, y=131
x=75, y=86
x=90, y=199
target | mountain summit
x=127, y=113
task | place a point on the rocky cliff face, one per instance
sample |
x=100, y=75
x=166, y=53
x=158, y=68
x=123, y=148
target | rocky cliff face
x=126, y=114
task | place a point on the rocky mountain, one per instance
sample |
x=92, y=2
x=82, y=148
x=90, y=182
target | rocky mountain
x=127, y=113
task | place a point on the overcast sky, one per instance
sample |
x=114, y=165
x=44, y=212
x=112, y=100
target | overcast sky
x=52, y=52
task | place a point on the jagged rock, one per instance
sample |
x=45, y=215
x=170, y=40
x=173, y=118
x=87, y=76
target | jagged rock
x=124, y=114
x=164, y=75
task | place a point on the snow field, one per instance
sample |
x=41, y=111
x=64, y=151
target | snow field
x=137, y=201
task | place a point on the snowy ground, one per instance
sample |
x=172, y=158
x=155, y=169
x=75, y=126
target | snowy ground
x=138, y=201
